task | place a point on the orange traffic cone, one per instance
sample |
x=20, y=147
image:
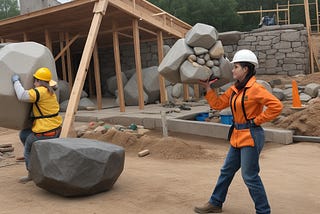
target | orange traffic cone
x=296, y=102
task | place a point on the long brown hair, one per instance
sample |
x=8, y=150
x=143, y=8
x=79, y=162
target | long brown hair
x=46, y=85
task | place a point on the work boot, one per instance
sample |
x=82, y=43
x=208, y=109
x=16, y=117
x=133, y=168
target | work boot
x=208, y=208
x=25, y=179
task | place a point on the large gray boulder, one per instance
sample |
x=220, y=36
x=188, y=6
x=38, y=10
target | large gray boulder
x=75, y=166
x=202, y=35
x=22, y=58
x=169, y=66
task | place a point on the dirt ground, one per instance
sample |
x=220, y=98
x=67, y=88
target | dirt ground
x=178, y=174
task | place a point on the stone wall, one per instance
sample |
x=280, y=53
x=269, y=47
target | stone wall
x=281, y=49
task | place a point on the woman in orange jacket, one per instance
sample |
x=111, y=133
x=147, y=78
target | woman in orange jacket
x=247, y=100
x=46, y=119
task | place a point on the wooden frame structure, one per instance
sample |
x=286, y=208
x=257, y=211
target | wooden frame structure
x=285, y=9
x=313, y=50
x=83, y=26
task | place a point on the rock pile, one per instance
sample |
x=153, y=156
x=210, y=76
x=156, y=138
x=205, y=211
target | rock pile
x=198, y=56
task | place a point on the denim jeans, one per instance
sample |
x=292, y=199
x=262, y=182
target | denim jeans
x=246, y=158
x=27, y=137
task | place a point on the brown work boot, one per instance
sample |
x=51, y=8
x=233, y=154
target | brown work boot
x=208, y=208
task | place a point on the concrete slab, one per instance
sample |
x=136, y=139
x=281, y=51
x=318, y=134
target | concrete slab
x=182, y=122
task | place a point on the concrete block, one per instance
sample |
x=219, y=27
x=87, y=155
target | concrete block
x=24, y=59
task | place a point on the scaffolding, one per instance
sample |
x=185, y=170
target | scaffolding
x=312, y=25
x=282, y=13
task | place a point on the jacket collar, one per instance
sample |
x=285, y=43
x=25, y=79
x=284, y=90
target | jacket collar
x=251, y=81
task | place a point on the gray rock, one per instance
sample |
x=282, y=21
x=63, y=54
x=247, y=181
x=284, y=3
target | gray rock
x=169, y=66
x=75, y=166
x=201, y=35
x=312, y=89
x=112, y=83
x=192, y=73
x=217, y=51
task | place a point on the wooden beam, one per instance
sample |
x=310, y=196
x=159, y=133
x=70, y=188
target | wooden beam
x=69, y=65
x=48, y=39
x=162, y=85
x=63, y=59
x=97, y=76
x=66, y=47
x=99, y=11
x=136, y=41
x=196, y=91
x=307, y=17
x=117, y=62
x=25, y=37
x=186, y=92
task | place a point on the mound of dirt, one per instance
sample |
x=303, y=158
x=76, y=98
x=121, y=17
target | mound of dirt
x=159, y=147
x=302, y=122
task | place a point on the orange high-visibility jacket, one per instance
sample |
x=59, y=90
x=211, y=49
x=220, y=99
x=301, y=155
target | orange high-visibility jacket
x=256, y=97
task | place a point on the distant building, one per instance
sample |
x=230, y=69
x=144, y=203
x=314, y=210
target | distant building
x=27, y=6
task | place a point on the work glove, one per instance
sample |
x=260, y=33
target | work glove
x=15, y=78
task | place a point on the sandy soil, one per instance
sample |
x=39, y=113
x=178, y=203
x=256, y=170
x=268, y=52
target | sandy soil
x=164, y=182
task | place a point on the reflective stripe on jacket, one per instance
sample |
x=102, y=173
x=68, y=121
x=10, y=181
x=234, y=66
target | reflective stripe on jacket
x=256, y=97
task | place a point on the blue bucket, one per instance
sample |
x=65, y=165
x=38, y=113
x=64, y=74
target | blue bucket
x=226, y=119
x=202, y=116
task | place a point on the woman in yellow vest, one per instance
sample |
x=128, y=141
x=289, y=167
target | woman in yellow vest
x=247, y=100
x=46, y=119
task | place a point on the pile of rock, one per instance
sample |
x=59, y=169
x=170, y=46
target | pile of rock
x=198, y=56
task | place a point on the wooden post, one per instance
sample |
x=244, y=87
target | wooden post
x=117, y=62
x=196, y=91
x=164, y=124
x=63, y=59
x=48, y=39
x=185, y=92
x=307, y=16
x=163, y=91
x=136, y=41
x=97, y=76
x=99, y=10
x=25, y=37
x=69, y=64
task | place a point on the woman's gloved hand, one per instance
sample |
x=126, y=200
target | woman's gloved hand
x=15, y=78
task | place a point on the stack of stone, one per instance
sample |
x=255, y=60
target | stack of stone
x=198, y=56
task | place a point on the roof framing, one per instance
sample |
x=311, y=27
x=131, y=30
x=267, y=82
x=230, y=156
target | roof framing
x=85, y=25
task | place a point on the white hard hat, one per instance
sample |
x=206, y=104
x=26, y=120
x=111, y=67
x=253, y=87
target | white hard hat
x=245, y=55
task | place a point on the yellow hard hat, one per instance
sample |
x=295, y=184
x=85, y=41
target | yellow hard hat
x=45, y=75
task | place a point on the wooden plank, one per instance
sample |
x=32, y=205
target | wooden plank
x=25, y=37
x=69, y=65
x=48, y=39
x=196, y=91
x=117, y=61
x=185, y=92
x=66, y=47
x=83, y=67
x=97, y=76
x=63, y=58
x=307, y=17
x=162, y=85
x=136, y=41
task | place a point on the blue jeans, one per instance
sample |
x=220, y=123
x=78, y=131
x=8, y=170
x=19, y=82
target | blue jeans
x=27, y=137
x=246, y=158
